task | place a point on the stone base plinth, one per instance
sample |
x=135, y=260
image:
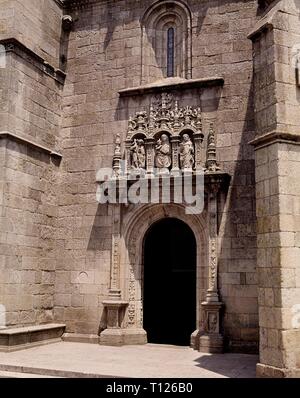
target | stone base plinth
x=211, y=343
x=81, y=338
x=118, y=337
x=267, y=371
x=195, y=339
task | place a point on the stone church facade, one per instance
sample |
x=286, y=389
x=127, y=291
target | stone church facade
x=208, y=88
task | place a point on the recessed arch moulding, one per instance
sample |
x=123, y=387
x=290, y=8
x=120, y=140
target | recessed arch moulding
x=136, y=223
x=156, y=22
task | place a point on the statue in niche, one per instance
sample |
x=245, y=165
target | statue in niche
x=138, y=154
x=163, y=153
x=187, y=153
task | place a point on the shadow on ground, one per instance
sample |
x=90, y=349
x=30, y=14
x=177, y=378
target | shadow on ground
x=229, y=365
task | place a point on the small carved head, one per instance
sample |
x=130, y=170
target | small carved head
x=164, y=138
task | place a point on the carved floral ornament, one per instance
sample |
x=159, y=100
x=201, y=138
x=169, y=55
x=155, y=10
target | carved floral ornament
x=164, y=117
x=167, y=138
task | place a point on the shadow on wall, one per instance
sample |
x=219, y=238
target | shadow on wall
x=111, y=23
x=241, y=300
x=100, y=236
x=21, y=149
x=204, y=6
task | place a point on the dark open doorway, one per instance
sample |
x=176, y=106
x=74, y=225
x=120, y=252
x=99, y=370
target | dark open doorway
x=170, y=282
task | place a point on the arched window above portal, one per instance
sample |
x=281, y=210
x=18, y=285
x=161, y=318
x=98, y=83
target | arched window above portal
x=166, y=41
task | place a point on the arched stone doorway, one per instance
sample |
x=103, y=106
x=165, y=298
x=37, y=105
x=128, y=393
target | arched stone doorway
x=136, y=223
x=169, y=282
x=125, y=307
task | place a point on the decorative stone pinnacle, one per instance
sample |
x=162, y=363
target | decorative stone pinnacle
x=117, y=156
x=211, y=161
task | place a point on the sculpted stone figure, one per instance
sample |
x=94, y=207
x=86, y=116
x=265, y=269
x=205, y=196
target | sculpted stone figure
x=138, y=155
x=187, y=151
x=163, y=153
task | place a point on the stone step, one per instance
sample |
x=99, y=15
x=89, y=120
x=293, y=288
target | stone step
x=12, y=339
x=23, y=371
x=20, y=375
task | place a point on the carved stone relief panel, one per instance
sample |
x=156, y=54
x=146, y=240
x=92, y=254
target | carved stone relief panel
x=165, y=138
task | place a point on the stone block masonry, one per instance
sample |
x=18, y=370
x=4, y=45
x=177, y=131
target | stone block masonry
x=30, y=113
x=106, y=59
x=277, y=191
x=65, y=95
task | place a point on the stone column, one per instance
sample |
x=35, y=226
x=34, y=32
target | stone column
x=114, y=291
x=212, y=292
x=212, y=340
x=175, y=155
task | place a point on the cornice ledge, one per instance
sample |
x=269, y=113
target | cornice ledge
x=172, y=84
x=78, y=4
x=268, y=22
x=28, y=142
x=15, y=46
x=275, y=137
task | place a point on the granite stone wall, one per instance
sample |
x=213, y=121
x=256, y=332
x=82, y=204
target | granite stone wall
x=35, y=23
x=277, y=189
x=30, y=111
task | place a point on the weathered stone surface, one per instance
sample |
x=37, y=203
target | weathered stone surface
x=20, y=338
x=277, y=193
x=56, y=242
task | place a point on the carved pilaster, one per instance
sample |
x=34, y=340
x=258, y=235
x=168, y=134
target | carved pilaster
x=114, y=291
x=198, y=140
x=212, y=339
x=127, y=156
x=117, y=157
x=149, y=143
x=212, y=293
x=175, y=154
x=132, y=301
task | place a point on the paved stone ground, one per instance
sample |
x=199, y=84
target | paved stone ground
x=87, y=360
